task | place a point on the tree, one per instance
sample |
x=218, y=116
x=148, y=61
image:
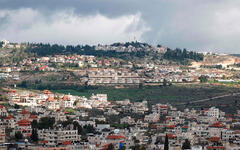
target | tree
x=89, y=129
x=1, y=44
x=18, y=135
x=110, y=147
x=76, y=126
x=16, y=106
x=140, y=86
x=46, y=122
x=164, y=82
x=34, y=135
x=34, y=124
x=203, y=78
x=181, y=55
x=166, y=144
x=186, y=145
x=123, y=148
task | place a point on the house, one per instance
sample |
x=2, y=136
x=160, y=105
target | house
x=58, y=136
x=24, y=126
x=154, y=117
x=3, y=111
x=127, y=120
x=116, y=140
x=213, y=112
x=52, y=103
x=5, y=69
x=9, y=121
x=2, y=135
x=67, y=101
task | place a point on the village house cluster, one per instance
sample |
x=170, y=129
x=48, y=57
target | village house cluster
x=112, y=77
x=97, y=71
x=56, y=101
x=121, y=47
x=7, y=44
x=95, y=123
x=111, y=71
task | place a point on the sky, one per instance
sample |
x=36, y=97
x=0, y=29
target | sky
x=201, y=25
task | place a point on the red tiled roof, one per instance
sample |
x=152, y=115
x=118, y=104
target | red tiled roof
x=31, y=95
x=168, y=118
x=65, y=98
x=24, y=112
x=43, y=67
x=12, y=91
x=44, y=142
x=47, y=92
x=28, y=134
x=50, y=98
x=216, y=147
x=104, y=147
x=171, y=126
x=217, y=125
x=154, y=126
x=163, y=107
x=66, y=143
x=115, y=137
x=1, y=106
x=33, y=117
x=171, y=136
x=23, y=122
x=214, y=139
x=9, y=117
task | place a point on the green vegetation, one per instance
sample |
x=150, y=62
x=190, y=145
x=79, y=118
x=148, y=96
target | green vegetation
x=7, y=105
x=181, y=55
x=14, y=56
x=166, y=143
x=225, y=82
x=134, y=94
x=1, y=44
x=44, y=123
x=203, y=78
x=228, y=83
x=174, y=94
x=34, y=135
x=47, y=49
x=18, y=135
x=155, y=94
x=186, y=145
x=212, y=66
x=120, y=126
x=70, y=110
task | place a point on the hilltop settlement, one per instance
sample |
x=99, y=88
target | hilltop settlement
x=35, y=117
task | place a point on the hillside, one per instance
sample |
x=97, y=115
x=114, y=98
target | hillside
x=213, y=60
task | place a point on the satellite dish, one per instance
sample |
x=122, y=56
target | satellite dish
x=116, y=131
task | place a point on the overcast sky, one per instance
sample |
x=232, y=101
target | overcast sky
x=202, y=25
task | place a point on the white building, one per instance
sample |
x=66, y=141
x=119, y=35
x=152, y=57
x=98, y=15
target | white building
x=213, y=112
x=54, y=137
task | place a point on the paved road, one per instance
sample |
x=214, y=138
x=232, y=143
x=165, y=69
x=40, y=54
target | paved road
x=209, y=99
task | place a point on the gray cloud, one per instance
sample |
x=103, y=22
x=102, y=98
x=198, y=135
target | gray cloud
x=206, y=25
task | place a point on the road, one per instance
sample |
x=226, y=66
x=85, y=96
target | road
x=208, y=99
